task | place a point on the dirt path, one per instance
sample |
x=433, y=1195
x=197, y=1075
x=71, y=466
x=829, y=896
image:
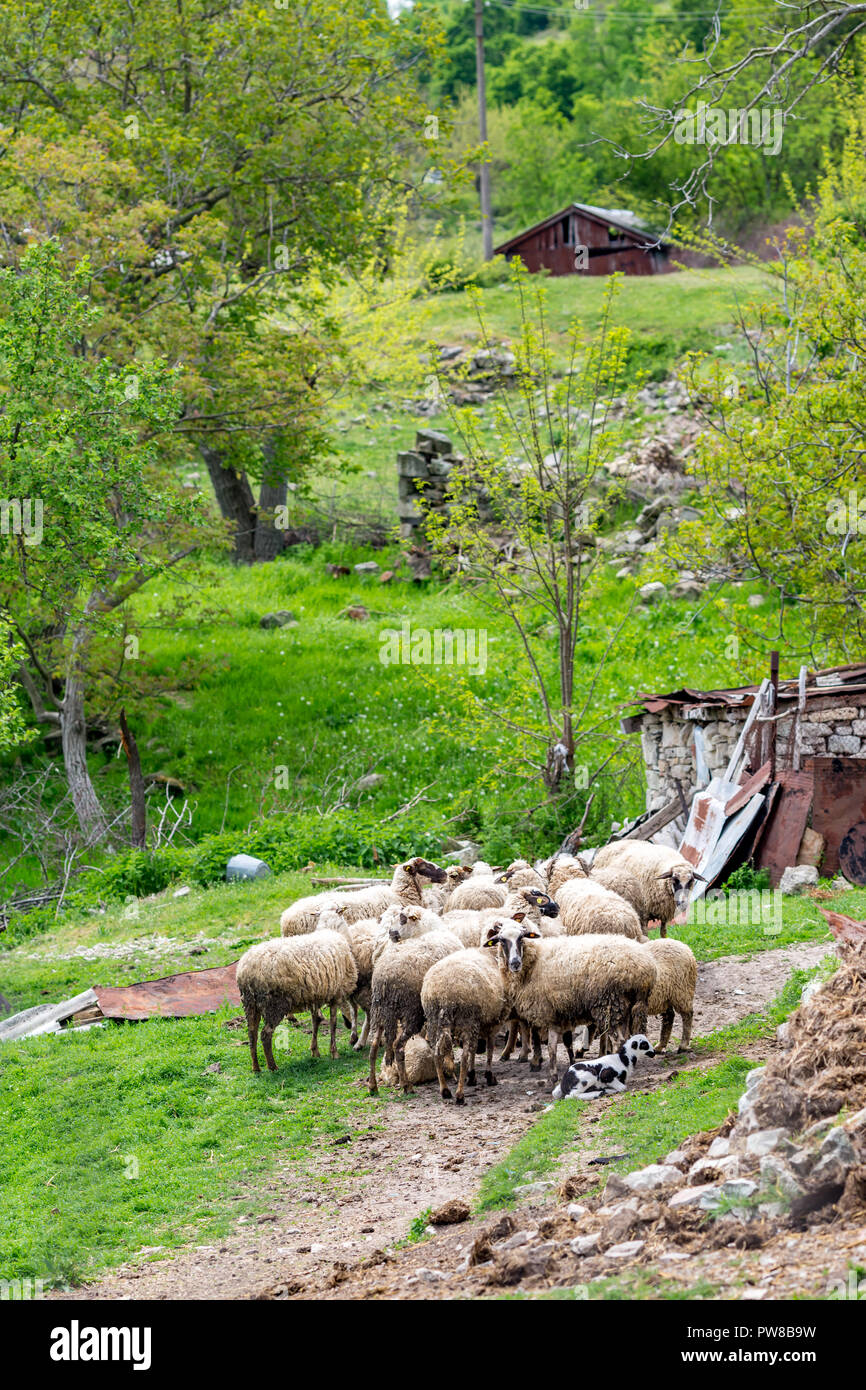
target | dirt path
x=313, y=1235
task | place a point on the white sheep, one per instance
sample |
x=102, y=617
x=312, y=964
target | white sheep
x=520, y=874
x=407, y=887
x=476, y=893
x=281, y=976
x=587, y=906
x=666, y=879
x=437, y=895
x=465, y=1002
x=396, y=1013
x=561, y=869
x=400, y=923
x=674, y=990
x=565, y=982
x=419, y=1062
x=365, y=940
x=589, y=1080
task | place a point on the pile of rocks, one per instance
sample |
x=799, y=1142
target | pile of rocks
x=423, y=479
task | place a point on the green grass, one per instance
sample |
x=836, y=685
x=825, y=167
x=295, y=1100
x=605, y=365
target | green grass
x=83, y=1112
x=630, y=1286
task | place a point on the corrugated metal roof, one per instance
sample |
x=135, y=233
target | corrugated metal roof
x=626, y=221
x=827, y=684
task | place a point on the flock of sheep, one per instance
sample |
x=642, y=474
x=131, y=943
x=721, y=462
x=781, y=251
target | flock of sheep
x=444, y=958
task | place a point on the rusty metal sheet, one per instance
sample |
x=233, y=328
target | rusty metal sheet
x=842, y=680
x=852, y=854
x=752, y=784
x=781, y=840
x=840, y=802
x=175, y=996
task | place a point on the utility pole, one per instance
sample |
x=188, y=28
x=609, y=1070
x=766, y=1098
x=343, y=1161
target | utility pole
x=486, y=215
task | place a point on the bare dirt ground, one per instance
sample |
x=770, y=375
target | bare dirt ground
x=332, y=1239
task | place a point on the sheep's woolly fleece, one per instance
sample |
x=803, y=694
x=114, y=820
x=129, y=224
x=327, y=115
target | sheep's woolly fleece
x=303, y=972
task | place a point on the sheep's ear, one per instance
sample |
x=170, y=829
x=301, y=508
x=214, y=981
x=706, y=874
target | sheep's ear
x=492, y=940
x=518, y=916
x=667, y=874
x=531, y=935
x=702, y=877
x=583, y=864
x=403, y=919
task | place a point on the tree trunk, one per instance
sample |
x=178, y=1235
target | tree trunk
x=73, y=729
x=136, y=784
x=268, y=538
x=235, y=500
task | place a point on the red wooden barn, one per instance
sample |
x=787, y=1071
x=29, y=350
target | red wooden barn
x=591, y=241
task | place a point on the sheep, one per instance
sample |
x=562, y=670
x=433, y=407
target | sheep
x=406, y=887
x=520, y=874
x=561, y=869
x=470, y=925
x=674, y=990
x=480, y=869
x=401, y=923
x=464, y=1000
x=587, y=906
x=565, y=982
x=420, y=1064
x=477, y=892
x=277, y=977
x=395, y=1010
x=666, y=878
x=589, y=1080
x=437, y=896
x=366, y=941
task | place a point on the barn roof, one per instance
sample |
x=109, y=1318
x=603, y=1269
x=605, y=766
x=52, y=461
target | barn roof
x=632, y=226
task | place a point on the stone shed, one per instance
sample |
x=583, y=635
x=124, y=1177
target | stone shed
x=822, y=716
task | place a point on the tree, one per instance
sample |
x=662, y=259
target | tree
x=784, y=461
x=208, y=160
x=524, y=511
x=93, y=518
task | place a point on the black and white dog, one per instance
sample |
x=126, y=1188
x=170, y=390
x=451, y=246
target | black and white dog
x=604, y=1076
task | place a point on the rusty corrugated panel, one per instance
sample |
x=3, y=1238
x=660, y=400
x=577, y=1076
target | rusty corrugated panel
x=852, y=681
x=840, y=802
x=781, y=840
x=175, y=996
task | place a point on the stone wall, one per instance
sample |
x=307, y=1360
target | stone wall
x=423, y=474
x=668, y=740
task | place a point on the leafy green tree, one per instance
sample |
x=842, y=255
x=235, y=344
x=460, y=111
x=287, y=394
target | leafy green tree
x=93, y=518
x=209, y=160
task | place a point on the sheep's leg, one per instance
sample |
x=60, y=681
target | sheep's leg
x=441, y=1051
x=589, y=1034
x=667, y=1025
x=637, y=1020
x=525, y=1042
x=334, y=1011
x=317, y=1018
x=254, y=1017
x=663, y=929
x=507, y=1050
x=400, y=1054
x=365, y=1033
x=468, y=1052
x=568, y=1041
x=552, y=1049
x=535, y=1064
x=353, y=1023
x=375, y=1043
x=488, y=1074
x=267, y=1045
x=687, y=1031
x=471, y=1079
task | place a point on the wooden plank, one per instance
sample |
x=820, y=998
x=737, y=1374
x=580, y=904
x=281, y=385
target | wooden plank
x=748, y=789
x=781, y=840
x=647, y=826
x=757, y=708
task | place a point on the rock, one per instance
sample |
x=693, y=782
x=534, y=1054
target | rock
x=678, y=1158
x=371, y=780
x=798, y=877
x=694, y=1196
x=616, y=1186
x=429, y=1276
x=655, y=1175
x=836, y=1157
x=215, y=1068
x=687, y=588
x=739, y=1188
x=755, y=600
x=764, y=1141
x=281, y=618
x=625, y=1251
x=356, y=613
x=775, y=1173
x=585, y=1245
x=820, y=1128
x=466, y=854
x=519, y=1239
x=576, y=1211
x=811, y=847
x=843, y=743
x=810, y=990
x=719, y=1148
x=753, y=1077
x=620, y=1225
x=714, y=1169
x=801, y=1162
x=367, y=567
x=450, y=1214
x=652, y=593
x=533, y=1189
x=181, y=892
